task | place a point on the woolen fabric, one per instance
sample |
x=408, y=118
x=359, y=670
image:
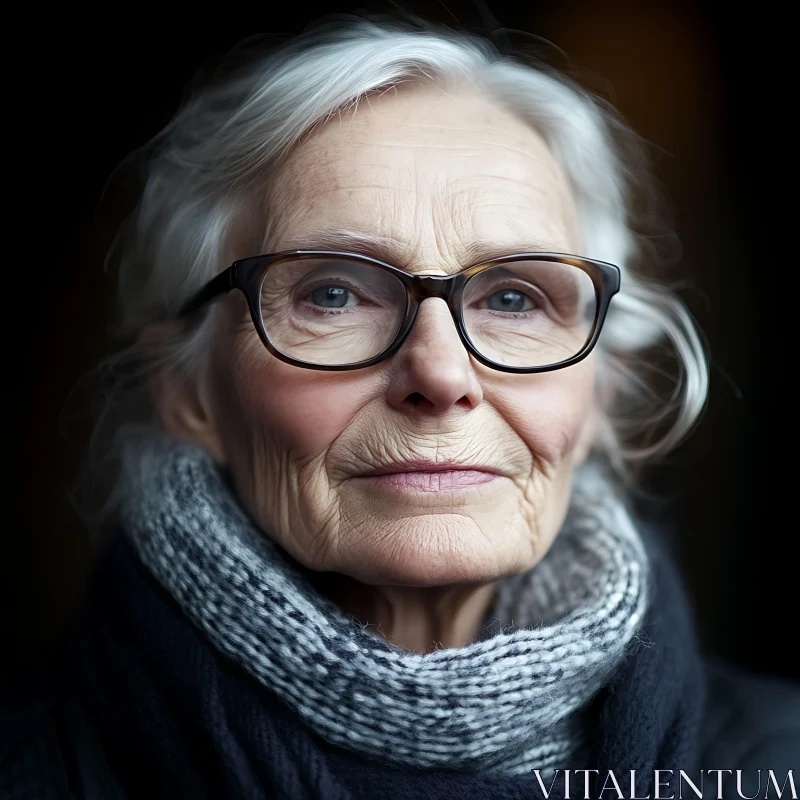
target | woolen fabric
x=199, y=686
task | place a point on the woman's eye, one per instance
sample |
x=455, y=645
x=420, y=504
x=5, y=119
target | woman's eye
x=509, y=300
x=332, y=297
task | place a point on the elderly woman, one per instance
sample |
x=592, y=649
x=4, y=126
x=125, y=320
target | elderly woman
x=371, y=536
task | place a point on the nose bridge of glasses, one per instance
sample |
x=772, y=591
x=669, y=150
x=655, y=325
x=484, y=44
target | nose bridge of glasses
x=425, y=286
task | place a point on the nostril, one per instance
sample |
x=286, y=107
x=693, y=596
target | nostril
x=415, y=398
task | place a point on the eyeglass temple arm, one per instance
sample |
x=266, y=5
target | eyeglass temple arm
x=222, y=284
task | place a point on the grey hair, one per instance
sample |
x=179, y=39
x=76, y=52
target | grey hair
x=206, y=167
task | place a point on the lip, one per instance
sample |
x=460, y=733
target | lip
x=442, y=480
x=430, y=476
x=417, y=466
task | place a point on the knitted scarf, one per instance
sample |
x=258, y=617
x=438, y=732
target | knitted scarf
x=516, y=699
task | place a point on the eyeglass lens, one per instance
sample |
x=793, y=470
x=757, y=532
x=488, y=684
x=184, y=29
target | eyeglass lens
x=336, y=312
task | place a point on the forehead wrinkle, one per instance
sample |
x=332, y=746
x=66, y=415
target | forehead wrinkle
x=408, y=182
x=477, y=150
x=373, y=164
x=423, y=203
x=513, y=189
x=539, y=222
x=445, y=223
x=456, y=229
x=527, y=143
x=492, y=168
x=526, y=193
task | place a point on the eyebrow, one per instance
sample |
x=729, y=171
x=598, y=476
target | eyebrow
x=397, y=253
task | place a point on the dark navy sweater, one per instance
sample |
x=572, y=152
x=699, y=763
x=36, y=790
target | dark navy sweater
x=139, y=704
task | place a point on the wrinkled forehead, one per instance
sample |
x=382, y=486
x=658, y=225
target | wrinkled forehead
x=436, y=178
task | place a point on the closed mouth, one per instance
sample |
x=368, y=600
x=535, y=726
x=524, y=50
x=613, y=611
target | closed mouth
x=427, y=467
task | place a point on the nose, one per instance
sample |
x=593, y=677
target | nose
x=433, y=371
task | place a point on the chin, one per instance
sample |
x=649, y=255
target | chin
x=448, y=549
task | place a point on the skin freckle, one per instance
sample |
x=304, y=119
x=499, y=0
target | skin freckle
x=429, y=175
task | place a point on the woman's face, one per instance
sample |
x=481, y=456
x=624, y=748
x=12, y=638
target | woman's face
x=433, y=175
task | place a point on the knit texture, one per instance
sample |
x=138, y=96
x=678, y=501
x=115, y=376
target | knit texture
x=177, y=718
x=505, y=703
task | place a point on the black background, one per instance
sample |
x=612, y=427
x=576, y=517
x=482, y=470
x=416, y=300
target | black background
x=712, y=88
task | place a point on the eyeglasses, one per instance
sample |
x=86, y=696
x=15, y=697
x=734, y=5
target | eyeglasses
x=329, y=310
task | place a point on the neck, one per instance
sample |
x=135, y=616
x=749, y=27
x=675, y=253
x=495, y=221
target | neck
x=420, y=619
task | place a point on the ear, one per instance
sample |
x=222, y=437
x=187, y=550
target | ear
x=183, y=402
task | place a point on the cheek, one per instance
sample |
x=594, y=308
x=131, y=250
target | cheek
x=302, y=410
x=549, y=412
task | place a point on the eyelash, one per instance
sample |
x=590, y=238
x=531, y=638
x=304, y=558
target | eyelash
x=327, y=312
x=538, y=298
x=323, y=312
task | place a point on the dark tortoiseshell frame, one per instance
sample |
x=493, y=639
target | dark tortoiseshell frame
x=247, y=275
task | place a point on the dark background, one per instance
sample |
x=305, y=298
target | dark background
x=710, y=87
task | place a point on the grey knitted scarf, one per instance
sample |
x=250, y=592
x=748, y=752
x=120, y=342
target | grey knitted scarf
x=508, y=702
